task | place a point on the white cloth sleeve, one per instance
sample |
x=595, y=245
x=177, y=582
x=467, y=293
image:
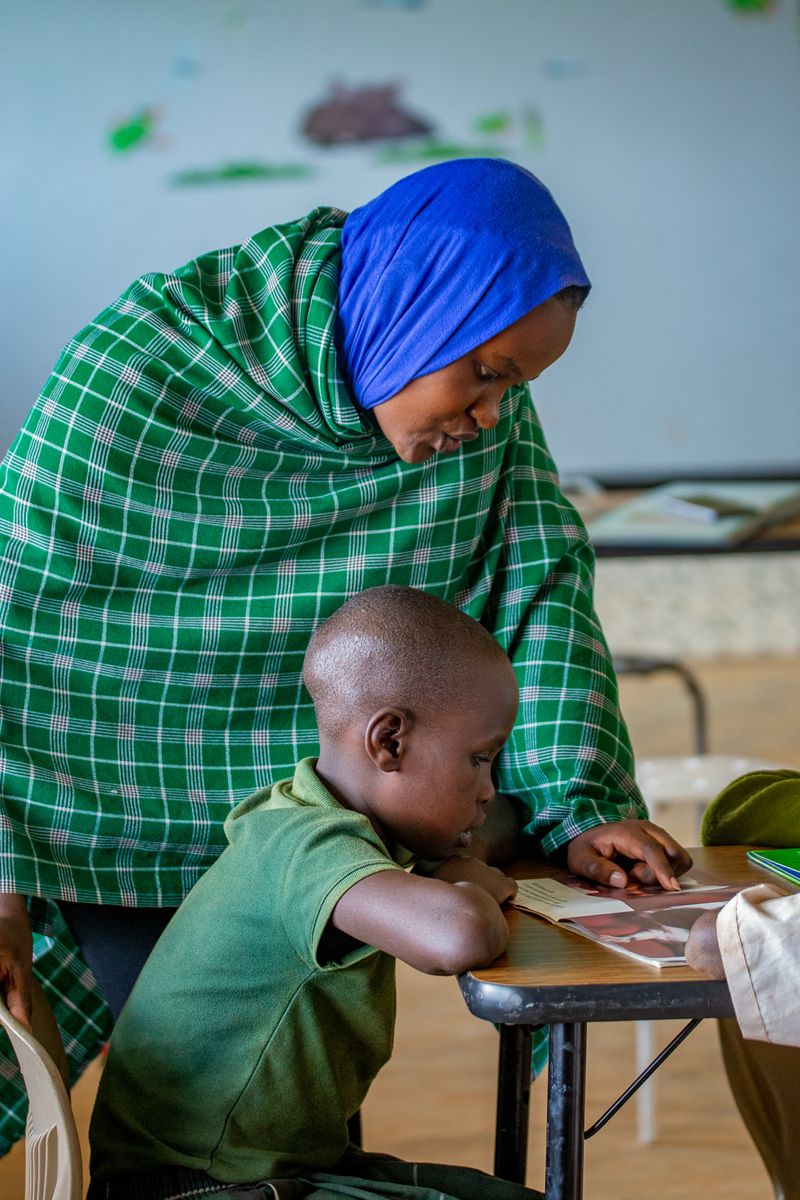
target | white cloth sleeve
x=759, y=940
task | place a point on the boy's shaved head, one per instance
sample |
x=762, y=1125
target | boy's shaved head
x=394, y=646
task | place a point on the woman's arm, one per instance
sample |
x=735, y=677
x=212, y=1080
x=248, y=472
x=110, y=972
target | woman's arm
x=16, y=956
x=569, y=760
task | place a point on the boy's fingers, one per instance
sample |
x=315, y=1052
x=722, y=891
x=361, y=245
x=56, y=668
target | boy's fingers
x=511, y=889
x=505, y=888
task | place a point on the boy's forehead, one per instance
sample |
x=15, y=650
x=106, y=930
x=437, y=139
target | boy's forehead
x=487, y=712
x=471, y=731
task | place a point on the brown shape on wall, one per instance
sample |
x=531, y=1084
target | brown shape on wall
x=361, y=114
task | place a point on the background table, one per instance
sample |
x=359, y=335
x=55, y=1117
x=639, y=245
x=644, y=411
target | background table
x=551, y=976
x=780, y=535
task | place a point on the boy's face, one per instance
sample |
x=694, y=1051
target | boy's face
x=443, y=785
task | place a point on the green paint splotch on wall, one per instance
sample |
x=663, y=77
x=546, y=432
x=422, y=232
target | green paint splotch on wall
x=434, y=150
x=492, y=123
x=752, y=6
x=502, y=124
x=136, y=131
x=242, y=172
x=236, y=16
x=533, y=128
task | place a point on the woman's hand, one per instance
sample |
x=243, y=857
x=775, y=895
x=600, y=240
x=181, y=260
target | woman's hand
x=623, y=851
x=16, y=957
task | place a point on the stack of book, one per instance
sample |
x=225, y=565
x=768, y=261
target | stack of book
x=785, y=863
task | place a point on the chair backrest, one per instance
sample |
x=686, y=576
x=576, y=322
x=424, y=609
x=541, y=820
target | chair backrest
x=53, y=1168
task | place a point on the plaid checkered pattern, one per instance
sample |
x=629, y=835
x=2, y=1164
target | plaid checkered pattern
x=192, y=494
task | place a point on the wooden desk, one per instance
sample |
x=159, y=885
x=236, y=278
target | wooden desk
x=780, y=536
x=551, y=976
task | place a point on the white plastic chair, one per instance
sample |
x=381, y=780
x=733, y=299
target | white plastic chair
x=53, y=1168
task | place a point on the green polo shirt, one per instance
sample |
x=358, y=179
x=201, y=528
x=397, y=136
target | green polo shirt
x=239, y=1052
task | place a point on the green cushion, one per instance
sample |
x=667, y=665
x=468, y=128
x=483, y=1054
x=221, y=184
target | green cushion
x=759, y=809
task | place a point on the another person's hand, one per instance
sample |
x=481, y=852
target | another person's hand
x=465, y=869
x=16, y=957
x=702, y=948
x=628, y=851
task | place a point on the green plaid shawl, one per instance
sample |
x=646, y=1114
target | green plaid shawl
x=193, y=492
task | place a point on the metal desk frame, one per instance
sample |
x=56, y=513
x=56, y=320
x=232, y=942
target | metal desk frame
x=659, y=1000
x=551, y=977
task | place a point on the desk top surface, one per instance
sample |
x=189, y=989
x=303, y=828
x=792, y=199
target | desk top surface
x=780, y=536
x=550, y=974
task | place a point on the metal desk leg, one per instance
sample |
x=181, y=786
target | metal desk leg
x=513, y=1096
x=565, y=1112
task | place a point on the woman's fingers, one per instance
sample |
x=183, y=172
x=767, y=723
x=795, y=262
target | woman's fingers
x=584, y=859
x=659, y=860
x=17, y=989
x=16, y=957
x=622, y=850
x=677, y=854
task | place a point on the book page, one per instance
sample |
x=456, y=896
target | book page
x=557, y=902
x=650, y=924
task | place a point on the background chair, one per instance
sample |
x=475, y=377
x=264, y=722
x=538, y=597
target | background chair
x=53, y=1168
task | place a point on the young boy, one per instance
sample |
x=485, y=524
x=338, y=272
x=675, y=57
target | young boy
x=267, y=1007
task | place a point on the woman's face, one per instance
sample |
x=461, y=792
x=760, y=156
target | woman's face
x=436, y=413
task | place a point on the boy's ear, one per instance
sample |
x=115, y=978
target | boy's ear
x=386, y=738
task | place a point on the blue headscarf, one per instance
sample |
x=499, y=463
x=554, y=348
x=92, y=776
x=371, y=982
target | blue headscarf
x=439, y=263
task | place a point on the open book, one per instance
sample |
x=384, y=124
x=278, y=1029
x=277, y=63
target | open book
x=646, y=923
x=694, y=514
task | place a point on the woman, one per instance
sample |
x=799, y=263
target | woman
x=216, y=463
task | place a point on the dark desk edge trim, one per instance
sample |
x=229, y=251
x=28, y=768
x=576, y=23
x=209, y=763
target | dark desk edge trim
x=757, y=545
x=505, y=1004
x=621, y=480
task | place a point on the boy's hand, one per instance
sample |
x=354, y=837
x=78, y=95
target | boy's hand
x=647, y=851
x=702, y=948
x=465, y=869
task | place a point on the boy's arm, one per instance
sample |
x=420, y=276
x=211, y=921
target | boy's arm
x=436, y=927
